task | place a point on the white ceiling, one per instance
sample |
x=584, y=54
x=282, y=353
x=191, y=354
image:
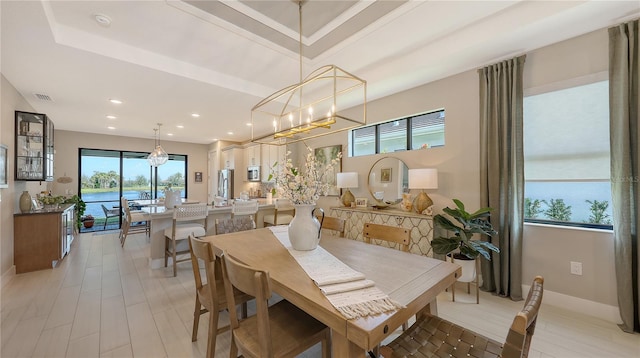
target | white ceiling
x=168, y=59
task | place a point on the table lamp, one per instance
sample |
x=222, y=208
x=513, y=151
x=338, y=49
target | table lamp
x=424, y=178
x=346, y=181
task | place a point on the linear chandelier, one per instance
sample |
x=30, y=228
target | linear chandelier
x=311, y=108
x=158, y=156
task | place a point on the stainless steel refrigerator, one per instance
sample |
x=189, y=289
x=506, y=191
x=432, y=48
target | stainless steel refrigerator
x=225, y=183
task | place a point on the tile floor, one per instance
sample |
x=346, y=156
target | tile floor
x=104, y=301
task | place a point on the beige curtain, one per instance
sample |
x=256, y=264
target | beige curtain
x=624, y=76
x=502, y=173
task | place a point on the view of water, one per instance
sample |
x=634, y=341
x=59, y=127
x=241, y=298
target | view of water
x=573, y=193
x=110, y=199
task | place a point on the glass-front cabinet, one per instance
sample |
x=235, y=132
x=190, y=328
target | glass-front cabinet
x=34, y=147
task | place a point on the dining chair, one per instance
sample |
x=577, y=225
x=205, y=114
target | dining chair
x=432, y=336
x=280, y=330
x=248, y=208
x=282, y=214
x=109, y=213
x=392, y=234
x=129, y=218
x=225, y=226
x=188, y=220
x=210, y=297
x=332, y=223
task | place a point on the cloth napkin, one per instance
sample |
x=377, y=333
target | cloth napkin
x=347, y=289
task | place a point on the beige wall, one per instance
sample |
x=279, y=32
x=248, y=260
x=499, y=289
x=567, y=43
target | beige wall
x=66, y=157
x=547, y=250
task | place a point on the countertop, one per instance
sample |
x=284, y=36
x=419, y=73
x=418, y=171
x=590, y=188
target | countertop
x=59, y=209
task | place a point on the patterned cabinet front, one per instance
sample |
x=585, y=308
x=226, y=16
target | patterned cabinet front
x=421, y=226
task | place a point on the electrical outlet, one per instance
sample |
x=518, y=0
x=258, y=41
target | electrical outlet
x=576, y=268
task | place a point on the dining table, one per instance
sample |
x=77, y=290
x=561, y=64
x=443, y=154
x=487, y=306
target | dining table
x=412, y=280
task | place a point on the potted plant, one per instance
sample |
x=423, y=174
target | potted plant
x=462, y=239
x=88, y=221
x=80, y=207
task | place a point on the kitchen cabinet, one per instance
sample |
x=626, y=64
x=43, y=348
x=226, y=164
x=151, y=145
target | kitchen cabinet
x=34, y=147
x=270, y=155
x=252, y=155
x=42, y=238
x=232, y=158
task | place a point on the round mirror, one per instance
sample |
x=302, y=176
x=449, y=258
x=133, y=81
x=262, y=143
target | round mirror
x=388, y=179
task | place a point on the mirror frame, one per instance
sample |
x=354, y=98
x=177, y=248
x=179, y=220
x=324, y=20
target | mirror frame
x=382, y=203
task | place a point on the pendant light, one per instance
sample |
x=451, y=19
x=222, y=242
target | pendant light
x=158, y=156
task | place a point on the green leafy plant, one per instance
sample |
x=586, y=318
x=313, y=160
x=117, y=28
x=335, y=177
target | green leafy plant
x=80, y=207
x=557, y=210
x=532, y=208
x=51, y=200
x=599, y=212
x=462, y=239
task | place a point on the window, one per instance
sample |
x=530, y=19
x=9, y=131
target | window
x=420, y=131
x=566, y=150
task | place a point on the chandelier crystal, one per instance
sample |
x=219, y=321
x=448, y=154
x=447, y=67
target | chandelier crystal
x=158, y=156
x=314, y=107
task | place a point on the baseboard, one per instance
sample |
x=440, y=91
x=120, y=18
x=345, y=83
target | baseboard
x=580, y=305
x=7, y=276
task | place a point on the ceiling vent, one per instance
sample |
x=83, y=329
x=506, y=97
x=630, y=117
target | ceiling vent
x=43, y=97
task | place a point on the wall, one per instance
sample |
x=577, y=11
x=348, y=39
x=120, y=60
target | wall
x=547, y=250
x=66, y=157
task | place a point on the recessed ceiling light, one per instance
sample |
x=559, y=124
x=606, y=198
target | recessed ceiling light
x=112, y=117
x=180, y=126
x=170, y=134
x=115, y=101
x=230, y=133
x=102, y=20
x=195, y=115
x=215, y=139
x=110, y=127
x=249, y=124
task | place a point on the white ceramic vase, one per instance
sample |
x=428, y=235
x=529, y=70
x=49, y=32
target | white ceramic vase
x=172, y=198
x=304, y=228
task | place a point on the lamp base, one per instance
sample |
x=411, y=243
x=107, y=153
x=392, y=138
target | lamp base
x=347, y=198
x=422, y=202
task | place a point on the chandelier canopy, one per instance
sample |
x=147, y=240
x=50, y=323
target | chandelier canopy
x=314, y=107
x=158, y=156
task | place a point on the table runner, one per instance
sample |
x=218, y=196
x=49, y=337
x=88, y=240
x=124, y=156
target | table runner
x=348, y=290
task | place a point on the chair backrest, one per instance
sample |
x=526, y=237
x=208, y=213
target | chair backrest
x=284, y=205
x=524, y=324
x=190, y=212
x=255, y=283
x=333, y=223
x=393, y=234
x=202, y=250
x=124, y=203
x=106, y=211
x=225, y=226
x=244, y=207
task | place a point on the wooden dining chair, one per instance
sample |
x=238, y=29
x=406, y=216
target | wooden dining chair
x=242, y=223
x=332, y=223
x=188, y=220
x=392, y=234
x=432, y=336
x=280, y=330
x=282, y=213
x=211, y=297
x=129, y=218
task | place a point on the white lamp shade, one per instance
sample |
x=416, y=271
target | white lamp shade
x=424, y=178
x=347, y=180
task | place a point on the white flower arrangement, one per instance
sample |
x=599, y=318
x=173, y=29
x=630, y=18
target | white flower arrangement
x=302, y=186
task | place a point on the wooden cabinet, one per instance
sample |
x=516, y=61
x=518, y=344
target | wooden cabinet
x=270, y=155
x=43, y=238
x=232, y=158
x=34, y=147
x=252, y=155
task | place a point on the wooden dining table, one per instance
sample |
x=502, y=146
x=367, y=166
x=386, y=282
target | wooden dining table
x=412, y=280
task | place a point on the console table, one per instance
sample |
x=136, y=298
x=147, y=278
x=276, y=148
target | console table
x=421, y=226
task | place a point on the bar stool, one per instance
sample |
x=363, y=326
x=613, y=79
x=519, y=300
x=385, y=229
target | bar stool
x=282, y=214
x=130, y=217
x=188, y=220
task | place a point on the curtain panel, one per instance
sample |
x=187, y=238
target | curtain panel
x=502, y=173
x=624, y=76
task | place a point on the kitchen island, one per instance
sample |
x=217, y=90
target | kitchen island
x=162, y=218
